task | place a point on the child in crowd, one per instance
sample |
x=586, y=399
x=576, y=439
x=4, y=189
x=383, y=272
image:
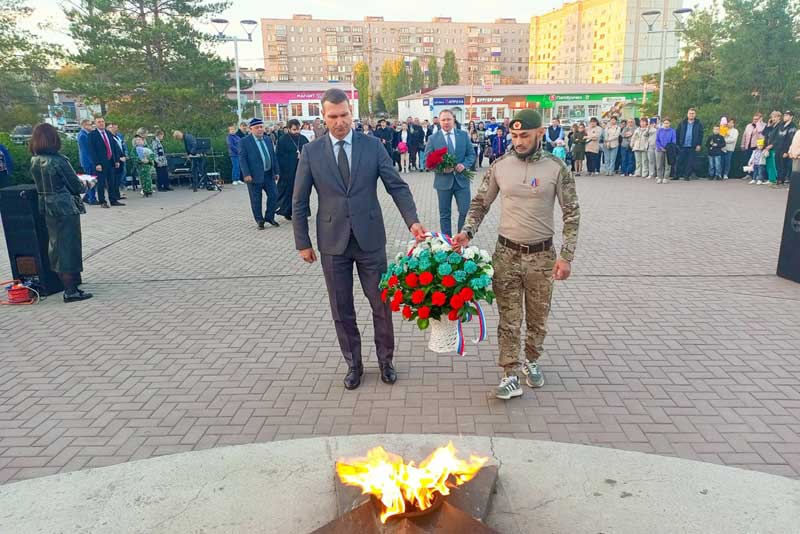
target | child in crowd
x=144, y=165
x=757, y=164
x=559, y=151
x=716, y=146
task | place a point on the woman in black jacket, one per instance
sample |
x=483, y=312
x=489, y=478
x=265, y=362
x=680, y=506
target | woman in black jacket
x=60, y=202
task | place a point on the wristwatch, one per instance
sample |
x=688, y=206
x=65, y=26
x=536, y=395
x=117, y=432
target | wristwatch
x=469, y=233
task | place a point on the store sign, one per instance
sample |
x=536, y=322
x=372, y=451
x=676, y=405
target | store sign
x=450, y=101
x=426, y=101
x=284, y=97
x=489, y=100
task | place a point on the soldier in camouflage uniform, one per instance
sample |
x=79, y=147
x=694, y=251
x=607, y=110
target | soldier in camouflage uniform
x=528, y=181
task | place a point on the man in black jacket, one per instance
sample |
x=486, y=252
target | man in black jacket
x=690, y=141
x=196, y=157
x=288, y=153
x=105, y=154
x=386, y=135
x=416, y=141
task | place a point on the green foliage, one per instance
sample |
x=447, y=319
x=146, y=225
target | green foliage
x=433, y=73
x=389, y=86
x=403, y=82
x=417, y=77
x=378, y=105
x=361, y=82
x=745, y=61
x=146, y=63
x=25, y=82
x=450, y=69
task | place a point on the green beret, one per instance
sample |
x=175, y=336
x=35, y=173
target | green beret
x=526, y=119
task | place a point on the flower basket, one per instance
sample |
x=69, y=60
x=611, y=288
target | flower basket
x=444, y=336
x=438, y=288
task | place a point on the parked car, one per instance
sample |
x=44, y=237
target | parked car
x=21, y=134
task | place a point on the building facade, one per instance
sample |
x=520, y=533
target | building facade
x=568, y=102
x=279, y=102
x=303, y=49
x=600, y=41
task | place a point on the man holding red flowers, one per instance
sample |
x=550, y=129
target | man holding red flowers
x=528, y=180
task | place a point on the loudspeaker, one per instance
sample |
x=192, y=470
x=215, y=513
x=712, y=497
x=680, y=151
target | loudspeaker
x=27, y=239
x=789, y=257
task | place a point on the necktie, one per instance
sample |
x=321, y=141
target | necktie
x=450, y=142
x=264, y=154
x=108, y=146
x=343, y=164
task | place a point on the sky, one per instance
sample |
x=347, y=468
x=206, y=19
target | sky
x=251, y=54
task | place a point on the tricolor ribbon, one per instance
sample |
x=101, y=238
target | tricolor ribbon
x=444, y=237
x=482, y=332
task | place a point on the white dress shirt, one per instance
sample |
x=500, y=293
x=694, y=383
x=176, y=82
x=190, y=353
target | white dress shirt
x=348, y=148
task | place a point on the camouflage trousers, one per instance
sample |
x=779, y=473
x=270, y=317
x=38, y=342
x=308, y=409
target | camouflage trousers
x=523, y=286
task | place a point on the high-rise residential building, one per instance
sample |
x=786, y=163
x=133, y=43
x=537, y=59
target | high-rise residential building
x=303, y=49
x=601, y=41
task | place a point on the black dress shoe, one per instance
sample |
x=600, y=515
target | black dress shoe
x=117, y=203
x=104, y=205
x=76, y=295
x=388, y=374
x=353, y=377
x=273, y=223
x=261, y=225
x=287, y=217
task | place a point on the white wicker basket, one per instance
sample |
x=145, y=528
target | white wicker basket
x=444, y=337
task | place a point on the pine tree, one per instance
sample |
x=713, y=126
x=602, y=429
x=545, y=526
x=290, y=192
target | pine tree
x=147, y=62
x=450, y=69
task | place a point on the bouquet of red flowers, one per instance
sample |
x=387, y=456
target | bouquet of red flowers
x=442, y=162
x=433, y=285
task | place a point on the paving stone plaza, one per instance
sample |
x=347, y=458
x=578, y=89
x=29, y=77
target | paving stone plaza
x=673, y=336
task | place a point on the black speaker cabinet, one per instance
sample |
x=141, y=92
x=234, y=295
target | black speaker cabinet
x=26, y=238
x=789, y=258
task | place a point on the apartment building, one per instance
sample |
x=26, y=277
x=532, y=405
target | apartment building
x=304, y=49
x=600, y=41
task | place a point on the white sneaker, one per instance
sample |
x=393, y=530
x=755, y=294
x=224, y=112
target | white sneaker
x=509, y=388
x=752, y=182
x=759, y=182
x=724, y=177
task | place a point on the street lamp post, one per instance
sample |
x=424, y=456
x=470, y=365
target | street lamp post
x=249, y=26
x=650, y=18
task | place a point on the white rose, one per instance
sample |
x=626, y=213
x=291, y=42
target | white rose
x=470, y=252
x=399, y=257
x=485, y=256
x=490, y=271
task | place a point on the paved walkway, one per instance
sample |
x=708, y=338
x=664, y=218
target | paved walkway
x=672, y=337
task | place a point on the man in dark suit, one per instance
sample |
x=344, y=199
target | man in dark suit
x=104, y=153
x=386, y=136
x=344, y=167
x=690, y=142
x=288, y=150
x=453, y=183
x=416, y=142
x=261, y=170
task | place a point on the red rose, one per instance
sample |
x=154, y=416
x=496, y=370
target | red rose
x=384, y=294
x=453, y=315
x=435, y=158
x=412, y=280
x=424, y=312
x=398, y=296
x=438, y=298
x=425, y=278
x=448, y=281
x=466, y=294
x=393, y=281
x=417, y=296
x=407, y=312
x=456, y=302
x=395, y=305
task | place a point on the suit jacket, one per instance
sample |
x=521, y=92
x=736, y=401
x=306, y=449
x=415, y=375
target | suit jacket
x=697, y=132
x=417, y=136
x=250, y=159
x=97, y=149
x=341, y=209
x=464, y=154
x=85, y=152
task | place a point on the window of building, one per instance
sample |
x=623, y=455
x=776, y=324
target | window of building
x=296, y=110
x=486, y=113
x=313, y=109
x=593, y=109
x=271, y=111
x=501, y=113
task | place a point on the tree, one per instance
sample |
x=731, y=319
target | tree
x=433, y=73
x=361, y=82
x=25, y=82
x=389, y=86
x=147, y=62
x=417, y=77
x=450, y=69
x=403, y=82
x=378, y=105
